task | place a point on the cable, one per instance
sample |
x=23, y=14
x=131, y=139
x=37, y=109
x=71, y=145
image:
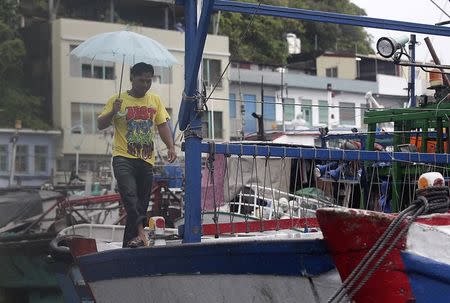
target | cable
x=228, y=64
x=442, y=10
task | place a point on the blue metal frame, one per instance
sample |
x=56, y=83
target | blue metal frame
x=310, y=15
x=188, y=117
x=189, y=120
x=325, y=154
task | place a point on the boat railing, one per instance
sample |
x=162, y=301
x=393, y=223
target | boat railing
x=359, y=178
x=269, y=203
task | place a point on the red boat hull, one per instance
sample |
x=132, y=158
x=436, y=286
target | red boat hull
x=349, y=235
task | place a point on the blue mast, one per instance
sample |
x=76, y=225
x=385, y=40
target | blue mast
x=188, y=117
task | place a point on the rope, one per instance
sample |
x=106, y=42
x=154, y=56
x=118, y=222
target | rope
x=430, y=200
x=210, y=165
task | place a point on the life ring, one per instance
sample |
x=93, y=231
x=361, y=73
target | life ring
x=59, y=248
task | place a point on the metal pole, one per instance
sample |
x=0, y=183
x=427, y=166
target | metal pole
x=412, y=70
x=77, y=161
x=330, y=108
x=436, y=60
x=51, y=11
x=111, y=11
x=241, y=106
x=262, y=96
x=212, y=117
x=14, y=139
x=282, y=99
x=195, y=37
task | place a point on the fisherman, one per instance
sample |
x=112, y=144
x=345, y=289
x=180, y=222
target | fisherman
x=136, y=115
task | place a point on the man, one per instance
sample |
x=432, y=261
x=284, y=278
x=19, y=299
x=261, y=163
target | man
x=136, y=115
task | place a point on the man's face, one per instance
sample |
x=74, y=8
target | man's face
x=141, y=83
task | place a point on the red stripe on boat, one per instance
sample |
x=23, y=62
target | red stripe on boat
x=258, y=226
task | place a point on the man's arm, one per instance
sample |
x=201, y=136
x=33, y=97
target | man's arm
x=166, y=135
x=103, y=121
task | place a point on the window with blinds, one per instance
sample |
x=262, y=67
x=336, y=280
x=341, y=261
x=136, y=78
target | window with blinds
x=3, y=157
x=289, y=109
x=347, y=113
x=85, y=115
x=323, y=111
x=269, y=108
x=40, y=158
x=22, y=158
x=306, y=107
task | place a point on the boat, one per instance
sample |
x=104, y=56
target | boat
x=391, y=257
x=221, y=263
x=276, y=266
x=29, y=220
x=427, y=262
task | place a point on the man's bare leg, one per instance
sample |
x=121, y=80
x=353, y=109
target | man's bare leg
x=141, y=235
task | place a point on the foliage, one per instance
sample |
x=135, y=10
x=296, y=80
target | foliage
x=15, y=101
x=20, y=105
x=12, y=52
x=255, y=38
x=8, y=14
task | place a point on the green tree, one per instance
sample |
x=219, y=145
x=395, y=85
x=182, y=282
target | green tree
x=15, y=100
x=256, y=38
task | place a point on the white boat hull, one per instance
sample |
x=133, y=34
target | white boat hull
x=217, y=288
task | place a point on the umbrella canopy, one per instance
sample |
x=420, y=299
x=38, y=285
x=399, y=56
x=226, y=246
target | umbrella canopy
x=125, y=47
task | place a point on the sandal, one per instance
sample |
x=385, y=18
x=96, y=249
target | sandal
x=136, y=242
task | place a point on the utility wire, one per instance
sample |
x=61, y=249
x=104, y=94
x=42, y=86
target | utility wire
x=441, y=9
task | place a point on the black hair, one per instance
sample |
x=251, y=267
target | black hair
x=140, y=68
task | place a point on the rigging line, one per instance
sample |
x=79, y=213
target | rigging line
x=239, y=42
x=228, y=64
x=298, y=104
x=432, y=38
x=442, y=10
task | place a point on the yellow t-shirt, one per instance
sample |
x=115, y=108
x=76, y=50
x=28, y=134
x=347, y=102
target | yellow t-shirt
x=135, y=125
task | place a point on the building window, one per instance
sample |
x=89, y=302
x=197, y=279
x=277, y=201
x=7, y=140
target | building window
x=40, y=158
x=307, y=111
x=211, y=72
x=269, y=108
x=232, y=105
x=86, y=68
x=85, y=114
x=347, y=113
x=163, y=75
x=249, y=108
x=3, y=157
x=331, y=72
x=22, y=158
x=323, y=112
x=289, y=109
x=207, y=130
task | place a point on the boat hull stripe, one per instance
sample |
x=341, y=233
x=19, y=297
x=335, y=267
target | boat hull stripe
x=430, y=280
x=291, y=257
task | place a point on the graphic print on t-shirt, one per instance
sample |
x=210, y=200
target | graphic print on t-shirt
x=140, y=131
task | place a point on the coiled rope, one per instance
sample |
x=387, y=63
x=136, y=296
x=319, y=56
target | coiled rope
x=430, y=200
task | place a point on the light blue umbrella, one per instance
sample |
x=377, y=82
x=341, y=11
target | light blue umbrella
x=124, y=47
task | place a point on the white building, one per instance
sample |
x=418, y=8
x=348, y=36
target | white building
x=305, y=97
x=35, y=152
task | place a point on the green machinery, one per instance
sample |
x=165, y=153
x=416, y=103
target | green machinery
x=426, y=128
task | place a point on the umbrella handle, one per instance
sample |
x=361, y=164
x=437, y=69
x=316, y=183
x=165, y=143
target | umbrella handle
x=120, y=87
x=121, y=75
